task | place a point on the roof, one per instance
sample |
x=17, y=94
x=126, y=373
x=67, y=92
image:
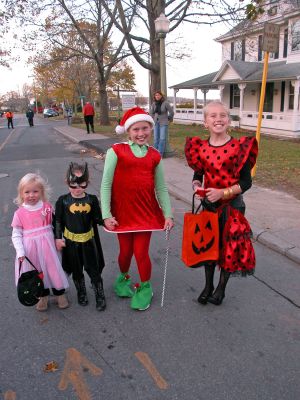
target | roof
x=244, y=27
x=204, y=81
x=245, y=72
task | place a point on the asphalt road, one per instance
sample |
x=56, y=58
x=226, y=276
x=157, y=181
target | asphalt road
x=248, y=348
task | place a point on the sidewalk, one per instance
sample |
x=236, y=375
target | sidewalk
x=274, y=216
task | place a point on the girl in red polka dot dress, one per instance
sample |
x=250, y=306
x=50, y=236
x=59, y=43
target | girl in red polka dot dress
x=223, y=164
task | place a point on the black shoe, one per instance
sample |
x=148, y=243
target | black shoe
x=81, y=292
x=216, y=300
x=204, y=295
x=99, y=294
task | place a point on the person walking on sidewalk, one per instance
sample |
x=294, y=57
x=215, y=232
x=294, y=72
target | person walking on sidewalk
x=88, y=114
x=77, y=215
x=223, y=164
x=9, y=116
x=33, y=237
x=135, y=202
x=162, y=113
x=30, y=116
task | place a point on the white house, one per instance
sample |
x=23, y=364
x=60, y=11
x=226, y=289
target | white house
x=239, y=78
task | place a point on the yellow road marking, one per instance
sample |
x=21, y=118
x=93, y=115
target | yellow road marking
x=148, y=364
x=10, y=395
x=73, y=373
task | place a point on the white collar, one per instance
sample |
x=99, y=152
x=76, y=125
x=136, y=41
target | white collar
x=36, y=207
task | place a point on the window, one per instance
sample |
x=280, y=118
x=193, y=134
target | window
x=260, y=40
x=296, y=36
x=285, y=43
x=238, y=50
x=272, y=11
x=291, y=96
x=274, y=55
x=234, y=96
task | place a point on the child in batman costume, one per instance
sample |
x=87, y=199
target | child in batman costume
x=77, y=215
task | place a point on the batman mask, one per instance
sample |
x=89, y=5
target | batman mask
x=73, y=180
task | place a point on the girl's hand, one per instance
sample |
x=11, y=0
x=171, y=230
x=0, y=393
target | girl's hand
x=21, y=259
x=60, y=243
x=214, y=195
x=169, y=223
x=110, y=223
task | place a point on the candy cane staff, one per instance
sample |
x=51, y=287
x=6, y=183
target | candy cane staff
x=135, y=202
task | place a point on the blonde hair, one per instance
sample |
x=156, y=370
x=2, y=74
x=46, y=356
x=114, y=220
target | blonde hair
x=215, y=103
x=33, y=178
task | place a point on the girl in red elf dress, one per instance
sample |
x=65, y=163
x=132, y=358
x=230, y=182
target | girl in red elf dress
x=224, y=164
x=135, y=202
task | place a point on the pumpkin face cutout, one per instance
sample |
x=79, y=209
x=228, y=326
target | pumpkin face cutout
x=200, y=242
x=204, y=236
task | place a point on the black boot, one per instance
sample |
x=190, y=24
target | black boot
x=99, y=294
x=81, y=292
x=217, y=297
x=209, y=284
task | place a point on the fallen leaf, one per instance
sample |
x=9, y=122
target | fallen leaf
x=100, y=156
x=51, y=366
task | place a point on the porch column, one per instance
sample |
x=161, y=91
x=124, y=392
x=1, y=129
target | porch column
x=296, y=95
x=242, y=87
x=195, y=103
x=174, y=100
x=221, y=88
x=204, y=91
x=296, y=85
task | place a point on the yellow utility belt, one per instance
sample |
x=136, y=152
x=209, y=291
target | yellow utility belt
x=79, y=237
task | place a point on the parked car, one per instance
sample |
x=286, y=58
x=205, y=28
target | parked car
x=49, y=112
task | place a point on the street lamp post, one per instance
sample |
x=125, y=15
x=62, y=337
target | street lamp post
x=162, y=28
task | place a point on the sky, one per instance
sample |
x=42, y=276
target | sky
x=205, y=57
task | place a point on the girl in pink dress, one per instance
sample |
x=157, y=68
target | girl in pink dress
x=33, y=237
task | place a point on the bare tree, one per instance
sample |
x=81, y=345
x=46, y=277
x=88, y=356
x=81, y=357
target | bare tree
x=139, y=16
x=94, y=29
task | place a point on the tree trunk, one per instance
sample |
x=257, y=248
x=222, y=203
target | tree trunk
x=103, y=103
x=155, y=70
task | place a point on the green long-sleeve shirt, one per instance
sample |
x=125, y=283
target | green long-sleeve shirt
x=111, y=160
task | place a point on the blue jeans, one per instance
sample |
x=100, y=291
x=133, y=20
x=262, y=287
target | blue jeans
x=160, y=134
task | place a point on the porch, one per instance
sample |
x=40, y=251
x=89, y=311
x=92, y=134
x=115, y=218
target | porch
x=284, y=123
x=240, y=91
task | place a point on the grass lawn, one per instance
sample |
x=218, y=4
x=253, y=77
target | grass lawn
x=278, y=165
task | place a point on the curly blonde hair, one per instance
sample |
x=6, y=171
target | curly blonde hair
x=29, y=179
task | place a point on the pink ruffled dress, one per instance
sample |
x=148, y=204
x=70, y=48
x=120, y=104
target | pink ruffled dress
x=39, y=245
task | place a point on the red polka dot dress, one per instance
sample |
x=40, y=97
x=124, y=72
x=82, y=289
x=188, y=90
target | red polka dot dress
x=221, y=167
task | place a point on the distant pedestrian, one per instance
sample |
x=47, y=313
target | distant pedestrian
x=77, y=216
x=70, y=115
x=162, y=113
x=223, y=165
x=135, y=202
x=30, y=116
x=88, y=113
x=9, y=116
x=33, y=237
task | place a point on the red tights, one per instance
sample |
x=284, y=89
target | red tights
x=137, y=244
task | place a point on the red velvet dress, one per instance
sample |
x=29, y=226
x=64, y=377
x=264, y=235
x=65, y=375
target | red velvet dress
x=133, y=200
x=221, y=167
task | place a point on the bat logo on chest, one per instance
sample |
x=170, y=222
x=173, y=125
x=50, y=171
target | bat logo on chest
x=80, y=208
